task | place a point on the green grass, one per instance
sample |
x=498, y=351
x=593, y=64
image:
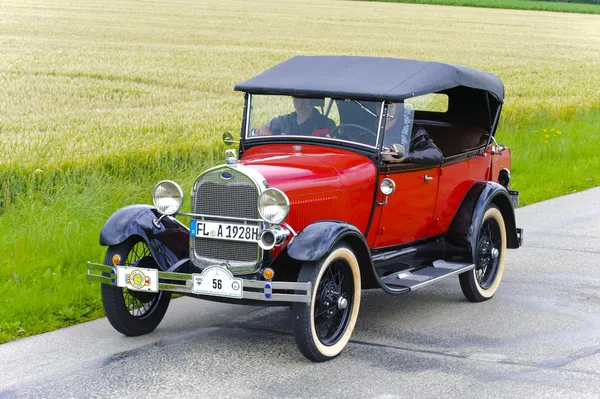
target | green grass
x=98, y=103
x=48, y=235
x=554, y=157
x=539, y=5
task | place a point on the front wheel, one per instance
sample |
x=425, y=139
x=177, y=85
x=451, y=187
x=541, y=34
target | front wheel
x=133, y=313
x=481, y=283
x=323, y=327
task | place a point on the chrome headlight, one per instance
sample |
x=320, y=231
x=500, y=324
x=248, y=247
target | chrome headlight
x=273, y=205
x=167, y=197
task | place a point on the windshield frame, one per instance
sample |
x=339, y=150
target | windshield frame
x=247, y=139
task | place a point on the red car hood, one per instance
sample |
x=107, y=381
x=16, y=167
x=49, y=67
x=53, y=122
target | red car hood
x=310, y=169
x=321, y=183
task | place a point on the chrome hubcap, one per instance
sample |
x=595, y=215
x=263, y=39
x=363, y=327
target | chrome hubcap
x=495, y=253
x=342, y=303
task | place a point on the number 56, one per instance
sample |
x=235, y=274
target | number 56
x=217, y=283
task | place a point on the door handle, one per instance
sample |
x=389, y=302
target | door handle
x=427, y=178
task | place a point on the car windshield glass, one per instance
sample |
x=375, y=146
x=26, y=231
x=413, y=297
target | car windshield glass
x=398, y=128
x=321, y=118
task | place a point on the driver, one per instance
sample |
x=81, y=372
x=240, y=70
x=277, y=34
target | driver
x=304, y=121
x=422, y=148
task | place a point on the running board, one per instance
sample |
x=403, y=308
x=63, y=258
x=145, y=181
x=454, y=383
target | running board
x=420, y=278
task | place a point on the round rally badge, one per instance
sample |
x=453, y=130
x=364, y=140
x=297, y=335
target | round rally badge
x=137, y=279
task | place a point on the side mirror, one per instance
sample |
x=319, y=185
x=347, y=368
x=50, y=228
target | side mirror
x=396, y=153
x=400, y=151
x=228, y=138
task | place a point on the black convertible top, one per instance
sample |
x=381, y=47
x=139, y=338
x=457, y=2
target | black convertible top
x=368, y=78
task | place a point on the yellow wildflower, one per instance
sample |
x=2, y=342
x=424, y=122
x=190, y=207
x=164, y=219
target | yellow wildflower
x=547, y=136
x=545, y=141
x=558, y=132
x=545, y=131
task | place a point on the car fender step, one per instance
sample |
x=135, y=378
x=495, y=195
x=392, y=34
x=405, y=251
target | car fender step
x=419, y=278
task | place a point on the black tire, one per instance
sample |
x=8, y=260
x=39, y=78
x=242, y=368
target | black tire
x=133, y=313
x=323, y=327
x=481, y=283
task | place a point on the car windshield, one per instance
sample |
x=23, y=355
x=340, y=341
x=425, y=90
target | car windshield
x=398, y=125
x=322, y=118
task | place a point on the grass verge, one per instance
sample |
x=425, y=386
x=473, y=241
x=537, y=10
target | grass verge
x=553, y=157
x=49, y=236
x=510, y=4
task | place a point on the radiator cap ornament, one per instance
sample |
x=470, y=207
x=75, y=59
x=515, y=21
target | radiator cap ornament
x=230, y=157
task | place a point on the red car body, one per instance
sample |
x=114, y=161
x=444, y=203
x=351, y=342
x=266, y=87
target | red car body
x=328, y=183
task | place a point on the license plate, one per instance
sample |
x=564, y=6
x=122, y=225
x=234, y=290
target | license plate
x=215, y=280
x=137, y=278
x=224, y=231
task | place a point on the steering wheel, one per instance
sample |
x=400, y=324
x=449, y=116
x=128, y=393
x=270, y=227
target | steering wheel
x=352, y=132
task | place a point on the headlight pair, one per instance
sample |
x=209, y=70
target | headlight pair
x=273, y=204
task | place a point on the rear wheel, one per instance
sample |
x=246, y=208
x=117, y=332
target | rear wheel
x=481, y=283
x=133, y=312
x=323, y=327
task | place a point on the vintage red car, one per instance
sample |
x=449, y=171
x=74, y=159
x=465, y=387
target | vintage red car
x=353, y=173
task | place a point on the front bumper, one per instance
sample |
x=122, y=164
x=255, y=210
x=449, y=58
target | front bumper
x=266, y=291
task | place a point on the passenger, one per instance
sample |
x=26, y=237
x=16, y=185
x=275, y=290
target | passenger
x=422, y=149
x=305, y=121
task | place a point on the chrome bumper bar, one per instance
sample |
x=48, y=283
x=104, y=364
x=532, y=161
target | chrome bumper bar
x=182, y=283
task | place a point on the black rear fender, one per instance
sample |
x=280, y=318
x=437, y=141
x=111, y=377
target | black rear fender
x=464, y=231
x=168, y=243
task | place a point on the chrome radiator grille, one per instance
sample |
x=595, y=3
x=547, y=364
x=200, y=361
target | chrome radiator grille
x=235, y=197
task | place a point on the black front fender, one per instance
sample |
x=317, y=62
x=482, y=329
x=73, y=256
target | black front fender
x=168, y=243
x=317, y=240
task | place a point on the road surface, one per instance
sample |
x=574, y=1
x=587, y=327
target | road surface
x=538, y=337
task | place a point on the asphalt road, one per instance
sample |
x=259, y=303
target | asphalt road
x=538, y=337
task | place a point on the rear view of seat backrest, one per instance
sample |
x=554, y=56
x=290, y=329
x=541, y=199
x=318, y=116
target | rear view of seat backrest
x=453, y=139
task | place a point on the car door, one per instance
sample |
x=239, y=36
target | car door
x=407, y=215
x=457, y=176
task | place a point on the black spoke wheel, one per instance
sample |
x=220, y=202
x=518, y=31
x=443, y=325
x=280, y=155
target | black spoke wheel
x=323, y=327
x=481, y=283
x=133, y=312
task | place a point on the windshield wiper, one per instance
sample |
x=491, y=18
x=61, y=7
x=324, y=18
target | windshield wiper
x=365, y=108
